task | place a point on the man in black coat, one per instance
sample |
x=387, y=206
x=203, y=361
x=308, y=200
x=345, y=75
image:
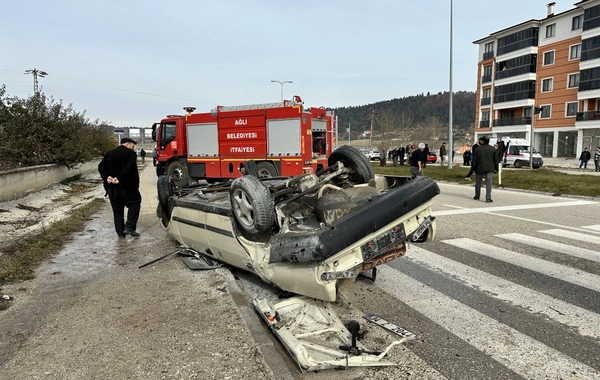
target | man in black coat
x=485, y=163
x=119, y=172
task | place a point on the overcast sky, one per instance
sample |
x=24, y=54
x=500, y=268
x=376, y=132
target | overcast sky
x=132, y=62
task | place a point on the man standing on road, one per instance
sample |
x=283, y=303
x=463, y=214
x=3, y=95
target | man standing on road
x=416, y=161
x=442, y=153
x=119, y=172
x=485, y=163
x=597, y=159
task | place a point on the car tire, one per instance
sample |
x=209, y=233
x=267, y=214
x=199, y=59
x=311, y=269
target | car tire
x=252, y=204
x=361, y=169
x=266, y=170
x=518, y=164
x=164, y=187
x=178, y=171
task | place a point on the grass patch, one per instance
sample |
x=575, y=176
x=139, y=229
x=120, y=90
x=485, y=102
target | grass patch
x=544, y=180
x=20, y=259
x=69, y=180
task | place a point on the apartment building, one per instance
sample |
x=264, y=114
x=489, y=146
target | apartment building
x=541, y=78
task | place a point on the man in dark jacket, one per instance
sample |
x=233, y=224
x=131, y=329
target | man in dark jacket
x=485, y=163
x=416, y=161
x=119, y=172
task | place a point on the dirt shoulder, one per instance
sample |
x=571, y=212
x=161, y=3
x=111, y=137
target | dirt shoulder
x=91, y=313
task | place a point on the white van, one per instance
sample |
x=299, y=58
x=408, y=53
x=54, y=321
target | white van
x=518, y=153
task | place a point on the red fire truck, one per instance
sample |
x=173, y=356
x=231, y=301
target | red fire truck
x=283, y=139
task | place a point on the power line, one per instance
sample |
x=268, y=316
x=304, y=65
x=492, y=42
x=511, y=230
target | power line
x=75, y=80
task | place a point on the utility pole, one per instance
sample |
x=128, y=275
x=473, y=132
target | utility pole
x=450, y=125
x=36, y=73
x=372, y=115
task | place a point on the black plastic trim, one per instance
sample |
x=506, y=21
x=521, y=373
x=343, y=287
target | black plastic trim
x=379, y=212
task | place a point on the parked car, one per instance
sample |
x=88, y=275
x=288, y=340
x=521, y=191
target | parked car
x=432, y=157
x=311, y=235
x=373, y=155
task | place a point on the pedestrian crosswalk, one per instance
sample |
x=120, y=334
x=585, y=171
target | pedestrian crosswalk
x=536, y=335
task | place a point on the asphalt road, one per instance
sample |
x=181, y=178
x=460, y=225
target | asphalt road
x=508, y=290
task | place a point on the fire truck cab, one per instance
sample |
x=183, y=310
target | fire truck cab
x=282, y=139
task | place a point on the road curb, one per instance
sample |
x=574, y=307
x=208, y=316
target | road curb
x=257, y=329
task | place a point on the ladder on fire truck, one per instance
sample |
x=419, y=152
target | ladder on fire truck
x=295, y=102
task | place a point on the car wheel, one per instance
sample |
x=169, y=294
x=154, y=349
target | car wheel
x=164, y=187
x=360, y=169
x=178, y=171
x=252, y=204
x=518, y=164
x=266, y=170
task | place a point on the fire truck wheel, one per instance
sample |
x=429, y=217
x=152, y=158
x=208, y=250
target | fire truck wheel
x=266, y=170
x=252, y=204
x=360, y=169
x=178, y=172
x=164, y=187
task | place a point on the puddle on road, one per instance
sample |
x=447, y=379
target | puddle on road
x=87, y=253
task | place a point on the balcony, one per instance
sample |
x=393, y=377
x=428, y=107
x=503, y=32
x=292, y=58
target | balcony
x=512, y=121
x=484, y=124
x=486, y=78
x=488, y=55
x=514, y=96
x=516, y=71
x=587, y=116
x=485, y=101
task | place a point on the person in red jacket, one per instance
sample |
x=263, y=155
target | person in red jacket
x=119, y=172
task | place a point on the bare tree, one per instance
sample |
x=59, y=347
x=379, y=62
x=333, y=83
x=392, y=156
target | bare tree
x=388, y=121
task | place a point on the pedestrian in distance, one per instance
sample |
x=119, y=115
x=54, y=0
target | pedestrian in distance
x=143, y=155
x=442, y=153
x=394, y=153
x=467, y=157
x=584, y=157
x=121, y=178
x=416, y=161
x=485, y=163
x=473, y=148
x=382, y=157
x=154, y=156
x=597, y=159
x=425, y=154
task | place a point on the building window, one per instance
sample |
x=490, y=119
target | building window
x=549, y=58
x=486, y=93
x=546, y=112
x=575, y=51
x=572, y=108
x=489, y=47
x=550, y=30
x=527, y=112
x=573, y=81
x=485, y=116
x=547, y=84
x=577, y=22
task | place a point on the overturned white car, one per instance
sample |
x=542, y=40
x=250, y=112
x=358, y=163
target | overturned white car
x=311, y=234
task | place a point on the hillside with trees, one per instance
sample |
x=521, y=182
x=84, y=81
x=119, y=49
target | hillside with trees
x=420, y=118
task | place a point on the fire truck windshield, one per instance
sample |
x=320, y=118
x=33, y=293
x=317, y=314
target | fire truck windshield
x=167, y=133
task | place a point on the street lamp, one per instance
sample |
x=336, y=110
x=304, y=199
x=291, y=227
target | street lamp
x=282, y=83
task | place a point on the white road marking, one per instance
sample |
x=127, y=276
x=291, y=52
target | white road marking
x=515, y=350
x=561, y=272
x=587, y=322
x=513, y=208
x=586, y=238
x=595, y=227
x=583, y=253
